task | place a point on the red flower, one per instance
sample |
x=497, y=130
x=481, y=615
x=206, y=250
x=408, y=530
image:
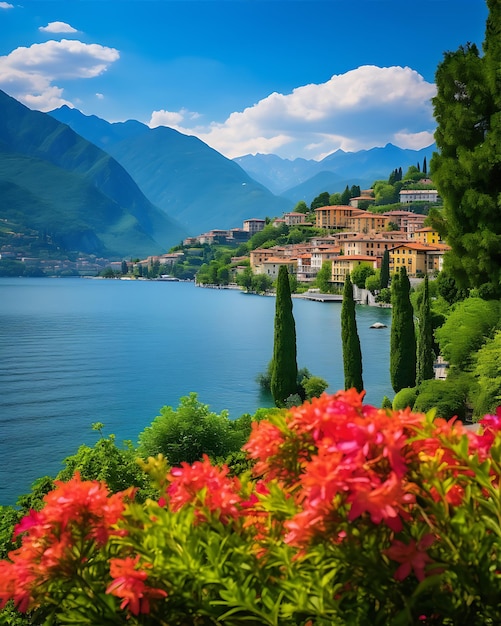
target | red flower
x=205, y=486
x=264, y=446
x=382, y=503
x=412, y=556
x=77, y=516
x=129, y=584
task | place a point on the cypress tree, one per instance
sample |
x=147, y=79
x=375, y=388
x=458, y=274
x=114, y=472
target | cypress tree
x=284, y=362
x=425, y=354
x=403, y=337
x=352, y=353
x=384, y=277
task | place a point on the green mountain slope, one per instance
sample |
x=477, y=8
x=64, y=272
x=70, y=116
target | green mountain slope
x=53, y=179
x=179, y=173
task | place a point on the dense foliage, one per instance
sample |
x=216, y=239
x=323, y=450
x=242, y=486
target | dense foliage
x=467, y=169
x=353, y=515
x=187, y=433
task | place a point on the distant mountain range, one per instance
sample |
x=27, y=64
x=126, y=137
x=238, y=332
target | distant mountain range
x=302, y=179
x=54, y=181
x=124, y=189
x=180, y=174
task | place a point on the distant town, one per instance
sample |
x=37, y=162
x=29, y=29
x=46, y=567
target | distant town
x=358, y=236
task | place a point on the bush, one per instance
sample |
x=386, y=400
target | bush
x=189, y=432
x=448, y=397
x=467, y=327
x=355, y=515
x=406, y=397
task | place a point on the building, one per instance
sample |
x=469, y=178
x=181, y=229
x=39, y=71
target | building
x=320, y=254
x=370, y=245
x=271, y=266
x=426, y=235
x=292, y=219
x=366, y=196
x=406, y=221
x=254, y=225
x=335, y=216
x=417, y=258
x=342, y=217
x=418, y=195
x=344, y=265
x=258, y=256
x=304, y=271
x=367, y=222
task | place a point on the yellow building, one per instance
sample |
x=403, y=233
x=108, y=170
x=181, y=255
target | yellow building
x=426, y=235
x=412, y=256
x=344, y=265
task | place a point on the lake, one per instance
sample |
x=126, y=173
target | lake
x=77, y=351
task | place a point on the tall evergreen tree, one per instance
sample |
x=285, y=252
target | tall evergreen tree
x=346, y=196
x=402, y=337
x=425, y=354
x=467, y=166
x=425, y=166
x=384, y=277
x=352, y=353
x=284, y=362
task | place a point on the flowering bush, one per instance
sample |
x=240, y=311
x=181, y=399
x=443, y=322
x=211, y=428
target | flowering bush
x=353, y=515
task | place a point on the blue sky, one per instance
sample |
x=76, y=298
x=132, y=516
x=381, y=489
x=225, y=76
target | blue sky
x=297, y=78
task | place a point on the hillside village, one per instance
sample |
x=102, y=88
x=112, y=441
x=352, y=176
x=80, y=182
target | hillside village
x=358, y=237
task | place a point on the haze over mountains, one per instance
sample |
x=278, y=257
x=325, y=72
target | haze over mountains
x=54, y=181
x=124, y=189
x=303, y=179
x=180, y=174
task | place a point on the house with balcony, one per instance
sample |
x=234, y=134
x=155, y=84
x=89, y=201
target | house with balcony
x=305, y=273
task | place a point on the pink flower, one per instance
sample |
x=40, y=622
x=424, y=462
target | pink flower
x=412, y=556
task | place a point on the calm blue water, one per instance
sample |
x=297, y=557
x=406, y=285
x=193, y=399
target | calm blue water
x=76, y=351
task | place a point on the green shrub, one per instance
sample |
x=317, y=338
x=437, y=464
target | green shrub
x=406, y=397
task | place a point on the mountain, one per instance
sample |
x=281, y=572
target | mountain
x=56, y=182
x=180, y=174
x=302, y=179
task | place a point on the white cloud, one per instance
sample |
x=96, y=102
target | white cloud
x=57, y=27
x=6, y=5
x=100, y=96
x=29, y=74
x=366, y=107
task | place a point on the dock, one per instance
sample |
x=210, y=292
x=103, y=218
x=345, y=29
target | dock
x=320, y=297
